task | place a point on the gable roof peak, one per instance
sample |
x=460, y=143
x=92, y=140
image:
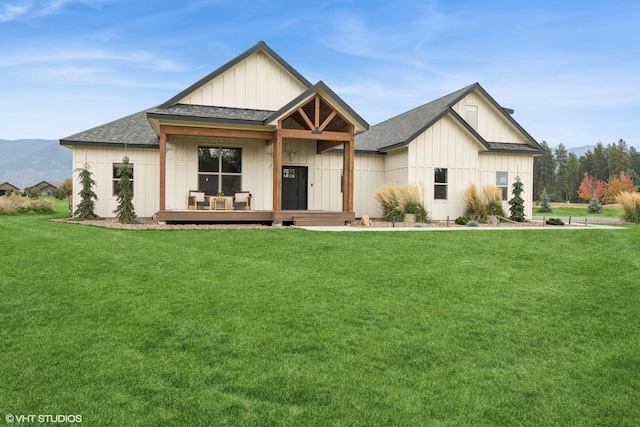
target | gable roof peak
x=260, y=46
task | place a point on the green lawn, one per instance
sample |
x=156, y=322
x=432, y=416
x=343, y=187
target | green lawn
x=290, y=327
x=580, y=211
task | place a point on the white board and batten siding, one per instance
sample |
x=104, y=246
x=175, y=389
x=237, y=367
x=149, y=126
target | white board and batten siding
x=146, y=178
x=369, y=177
x=459, y=156
x=516, y=165
x=491, y=124
x=257, y=83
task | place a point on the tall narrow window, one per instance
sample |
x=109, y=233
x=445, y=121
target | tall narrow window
x=116, y=178
x=471, y=115
x=440, y=184
x=219, y=170
x=502, y=182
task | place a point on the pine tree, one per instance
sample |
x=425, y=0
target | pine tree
x=545, y=203
x=125, y=211
x=87, y=205
x=516, y=204
x=594, y=206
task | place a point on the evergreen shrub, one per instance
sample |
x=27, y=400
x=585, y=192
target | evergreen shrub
x=462, y=220
x=554, y=221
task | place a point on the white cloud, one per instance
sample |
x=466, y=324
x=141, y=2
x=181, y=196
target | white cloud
x=140, y=59
x=12, y=12
x=53, y=6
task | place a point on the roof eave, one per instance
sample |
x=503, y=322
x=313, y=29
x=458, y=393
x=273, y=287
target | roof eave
x=70, y=143
x=177, y=117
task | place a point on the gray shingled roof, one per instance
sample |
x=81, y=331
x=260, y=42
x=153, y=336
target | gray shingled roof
x=203, y=113
x=404, y=128
x=133, y=130
x=512, y=148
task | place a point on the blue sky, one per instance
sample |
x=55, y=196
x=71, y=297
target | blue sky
x=571, y=70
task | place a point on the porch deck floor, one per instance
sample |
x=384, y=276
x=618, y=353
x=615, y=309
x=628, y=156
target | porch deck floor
x=296, y=217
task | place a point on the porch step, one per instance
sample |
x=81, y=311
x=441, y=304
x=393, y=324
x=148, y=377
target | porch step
x=318, y=220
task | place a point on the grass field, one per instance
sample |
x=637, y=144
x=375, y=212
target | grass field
x=579, y=210
x=291, y=327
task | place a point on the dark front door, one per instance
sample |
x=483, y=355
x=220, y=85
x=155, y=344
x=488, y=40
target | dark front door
x=294, y=187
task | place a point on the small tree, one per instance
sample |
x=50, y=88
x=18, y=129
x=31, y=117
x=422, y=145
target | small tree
x=545, y=202
x=125, y=211
x=591, y=188
x=617, y=185
x=594, y=206
x=516, y=204
x=33, y=193
x=67, y=187
x=87, y=205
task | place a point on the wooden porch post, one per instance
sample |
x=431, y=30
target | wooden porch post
x=277, y=171
x=348, y=174
x=163, y=168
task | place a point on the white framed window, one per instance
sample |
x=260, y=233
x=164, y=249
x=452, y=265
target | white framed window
x=219, y=170
x=471, y=115
x=502, y=182
x=116, y=178
x=440, y=183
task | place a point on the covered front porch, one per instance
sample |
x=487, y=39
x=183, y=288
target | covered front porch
x=312, y=134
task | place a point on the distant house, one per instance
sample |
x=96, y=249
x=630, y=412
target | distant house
x=257, y=125
x=7, y=187
x=46, y=187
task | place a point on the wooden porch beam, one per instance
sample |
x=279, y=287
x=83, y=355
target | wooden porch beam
x=216, y=132
x=306, y=118
x=277, y=172
x=327, y=120
x=324, y=136
x=163, y=170
x=348, y=175
x=327, y=145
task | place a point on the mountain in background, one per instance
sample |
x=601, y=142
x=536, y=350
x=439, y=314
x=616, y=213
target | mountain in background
x=26, y=162
x=580, y=151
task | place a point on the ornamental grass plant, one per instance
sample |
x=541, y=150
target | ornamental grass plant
x=475, y=207
x=15, y=204
x=389, y=199
x=397, y=201
x=412, y=200
x=631, y=205
x=492, y=196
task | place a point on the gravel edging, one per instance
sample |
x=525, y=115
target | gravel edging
x=151, y=224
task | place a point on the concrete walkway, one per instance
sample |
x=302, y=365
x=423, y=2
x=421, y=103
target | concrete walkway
x=427, y=228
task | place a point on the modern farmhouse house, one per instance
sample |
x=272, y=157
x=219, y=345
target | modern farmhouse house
x=256, y=131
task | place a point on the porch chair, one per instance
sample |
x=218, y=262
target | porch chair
x=242, y=201
x=197, y=200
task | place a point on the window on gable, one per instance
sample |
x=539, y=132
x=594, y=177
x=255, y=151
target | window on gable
x=440, y=184
x=471, y=115
x=502, y=182
x=116, y=178
x=219, y=170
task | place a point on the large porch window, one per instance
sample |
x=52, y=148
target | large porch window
x=219, y=170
